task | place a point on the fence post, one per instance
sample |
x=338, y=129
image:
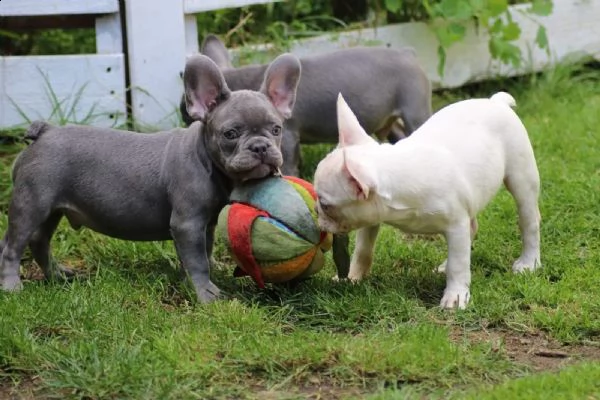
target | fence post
x=156, y=51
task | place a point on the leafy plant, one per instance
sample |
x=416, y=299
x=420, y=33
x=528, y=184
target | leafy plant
x=450, y=19
x=270, y=23
x=48, y=41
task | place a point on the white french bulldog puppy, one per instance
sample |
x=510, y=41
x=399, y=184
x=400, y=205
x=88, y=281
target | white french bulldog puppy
x=435, y=181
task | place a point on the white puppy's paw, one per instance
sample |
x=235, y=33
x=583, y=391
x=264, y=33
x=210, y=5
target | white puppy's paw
x=526, y=264
x=442, y=267
x=455, y=298
x=336, y=278
x=355, y=278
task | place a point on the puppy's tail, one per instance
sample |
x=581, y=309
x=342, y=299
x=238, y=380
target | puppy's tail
x=36, y=129
x=504, y=98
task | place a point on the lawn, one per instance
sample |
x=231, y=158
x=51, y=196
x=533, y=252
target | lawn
x=129, y=330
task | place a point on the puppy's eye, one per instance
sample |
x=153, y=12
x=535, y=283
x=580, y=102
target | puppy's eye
x=324, y=206
x=232, y=134
x=276, y=130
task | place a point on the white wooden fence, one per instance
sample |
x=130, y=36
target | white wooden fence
x=573, y=31
x=92, y=87
x=161, y=33
x=40, y=86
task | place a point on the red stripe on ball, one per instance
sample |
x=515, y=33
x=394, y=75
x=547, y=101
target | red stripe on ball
x=306, y=185
x=239, y=224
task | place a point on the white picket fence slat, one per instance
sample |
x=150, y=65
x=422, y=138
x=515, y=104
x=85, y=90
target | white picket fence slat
x=34, y=85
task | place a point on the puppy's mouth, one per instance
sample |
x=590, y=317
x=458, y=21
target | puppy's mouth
x=331, y=226
x=259, y=172
x=249, y=165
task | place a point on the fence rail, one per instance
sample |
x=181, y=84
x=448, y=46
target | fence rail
x=15, y=8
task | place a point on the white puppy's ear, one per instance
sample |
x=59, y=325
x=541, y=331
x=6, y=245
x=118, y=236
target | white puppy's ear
x=350, y=131
x=361, y=177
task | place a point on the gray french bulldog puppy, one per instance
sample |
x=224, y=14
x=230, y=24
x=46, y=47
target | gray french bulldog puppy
x=167, y=185
x=387, y=89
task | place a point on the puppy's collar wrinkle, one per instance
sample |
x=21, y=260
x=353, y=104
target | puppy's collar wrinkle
x=164, y=161
x=217, y=175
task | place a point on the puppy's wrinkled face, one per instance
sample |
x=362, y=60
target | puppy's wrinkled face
x=341, y=205
x=244, y=136
x=242, y=129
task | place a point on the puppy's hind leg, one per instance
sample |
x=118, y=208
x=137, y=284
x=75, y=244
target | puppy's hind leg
x=458, y=265
x=524, y=186
x=22, y=223
x=40, y=249
x=362, y=258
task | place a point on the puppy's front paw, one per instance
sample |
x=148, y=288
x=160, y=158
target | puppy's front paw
x=336, y=278
x=61, y=273
x=455, y=298
x=11, y=284
x=442, y=267
x=355, y=278
x=526, y=264
x=358, y=271
x=208, y=292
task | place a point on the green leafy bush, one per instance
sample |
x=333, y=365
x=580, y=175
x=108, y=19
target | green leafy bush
x=276, y=23
x=50, y=41
x=450, y=19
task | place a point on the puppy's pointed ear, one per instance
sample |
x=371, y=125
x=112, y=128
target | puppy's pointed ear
x=281, y=82
x=360, y=175
x=204, y=86
x=350, y=131
x=215, y=49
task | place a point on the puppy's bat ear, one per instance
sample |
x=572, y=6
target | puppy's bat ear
x=213, y=48
x=350, y=131
x=204, y=86
x=281, y=83
x=360, y=175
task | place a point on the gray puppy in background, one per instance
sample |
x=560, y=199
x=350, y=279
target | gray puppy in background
x=387, y=89
x=167, y=185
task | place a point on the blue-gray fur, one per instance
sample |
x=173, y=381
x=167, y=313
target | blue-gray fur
x=167, y=185
x=387, y=89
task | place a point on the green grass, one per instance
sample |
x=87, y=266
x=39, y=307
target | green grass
x=130, y=331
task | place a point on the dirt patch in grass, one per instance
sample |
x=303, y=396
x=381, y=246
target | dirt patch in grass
x=310, y=392
x=25, y=389
x=536, y=349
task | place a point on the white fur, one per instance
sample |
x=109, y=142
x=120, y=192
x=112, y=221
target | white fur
x=435, y=181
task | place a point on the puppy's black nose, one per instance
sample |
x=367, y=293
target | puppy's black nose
x=259, y=148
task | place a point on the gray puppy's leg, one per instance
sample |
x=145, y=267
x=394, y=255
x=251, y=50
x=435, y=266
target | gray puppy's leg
x=191, y=238
x=17, y=237
x=341, y=254
x=40, y=249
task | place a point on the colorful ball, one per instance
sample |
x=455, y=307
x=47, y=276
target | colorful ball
x=270, y=227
